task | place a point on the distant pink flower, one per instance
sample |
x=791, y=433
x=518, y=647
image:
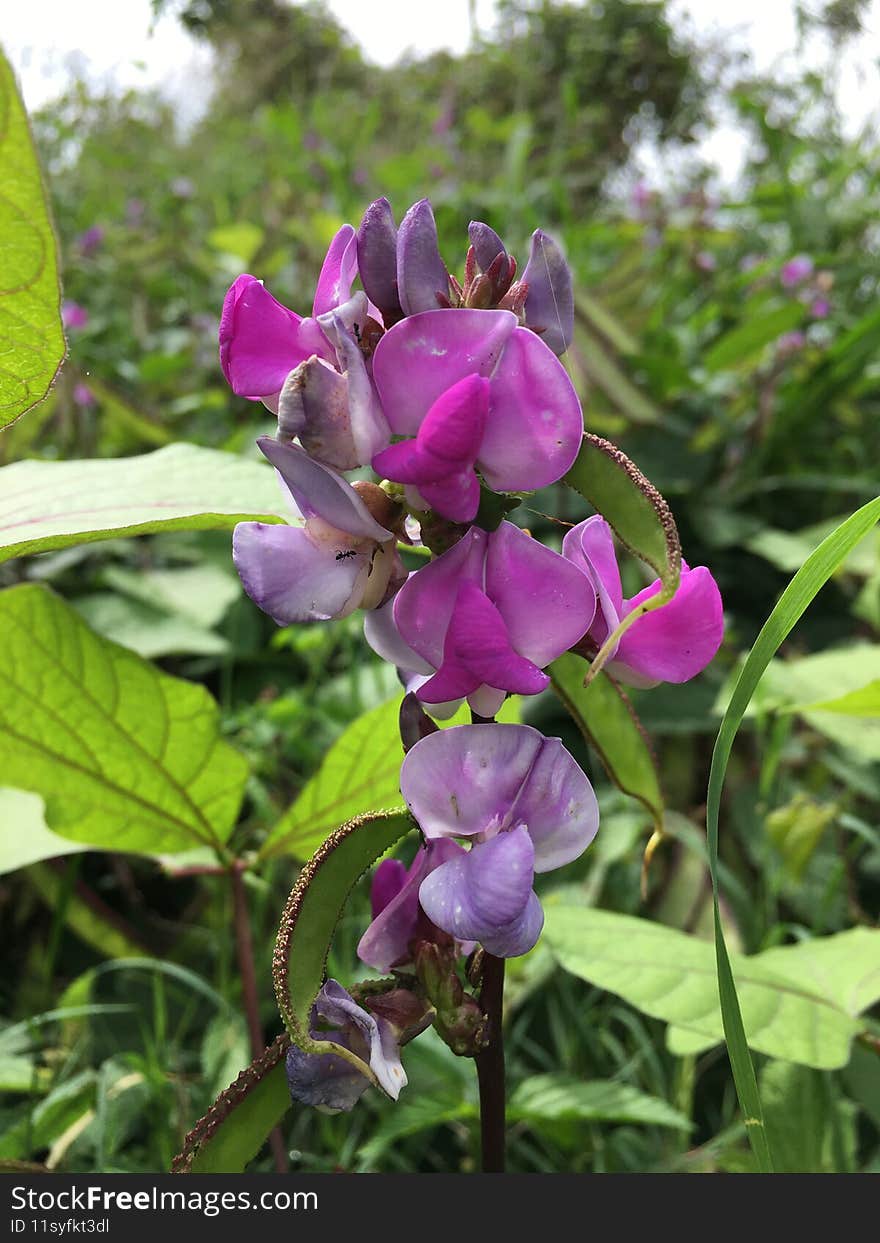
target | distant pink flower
x=83, y=396
x=706, y=261
x=73, y=315
x=820, y=308
x=795, y=271
x=90, y=241
x=790, y=343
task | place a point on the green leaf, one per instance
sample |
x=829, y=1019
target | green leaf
x=145, y=630
x=360, y=773
x=31, y=337
x=312, y=913
x=235, y=1128
x=68, y=1102
x=49, y=505
x=25, y=837
x=742, y=344
x=241, y=239
x=558, y=1098
x=631, y=506
x=202, y=593
x=863, y=702
x=798, y=595
x=124, y=756
x=605, y=716
x=811, y=1128
x=600, y=369
x=799, y=1002
x=797, y=829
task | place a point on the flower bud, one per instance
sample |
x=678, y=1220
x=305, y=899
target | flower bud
x=377, y=259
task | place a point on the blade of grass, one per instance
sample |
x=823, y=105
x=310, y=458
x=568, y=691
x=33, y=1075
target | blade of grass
x=792, y=604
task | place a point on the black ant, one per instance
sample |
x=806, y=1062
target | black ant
x=343, y=556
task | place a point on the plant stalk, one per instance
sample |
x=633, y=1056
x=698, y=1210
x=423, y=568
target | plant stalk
x=244, y=952
x=490, y=1068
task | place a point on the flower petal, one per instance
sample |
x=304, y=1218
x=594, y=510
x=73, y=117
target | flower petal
x=385, y=639
x=486, y=243
x=313, y=406
x=339, y=1008
x=678, y=640
x=291, y=578
x=546, y=602
x=590, y=546
x=535, y=423
x=421, y=273
x=388, y=880
x=456, y=497
x=480, y=892
x=423, y=356
x=369, y=427
x=520, y=935
x=320, y=493
x=558, y=806
x=424, y=605
x=261, y=340
x=549, y=305
x=338, y=271
x=463, y=780
x=453, y=428
x=377, y=259
x=324, y=1080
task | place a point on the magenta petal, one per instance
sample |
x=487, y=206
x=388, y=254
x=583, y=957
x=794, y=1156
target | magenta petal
x=385, y=943
x=546, y=602
x=456, y=497
x=535, y=423
x=320, y=493
x=421, y=273
x=385, y=639
x=258, y=339
x=463, y=780
x=549, y=307
x=558, y=806
x=401, y=462
x=368, y=426
x=338, y=271
x=388, y=880
x=423, y=607
x=452, y=682
x=678, y=640
x=453, y=428
x=477, y=640
x=590, y=546
x=293, y=579
x=478, y=893
x=423, y=356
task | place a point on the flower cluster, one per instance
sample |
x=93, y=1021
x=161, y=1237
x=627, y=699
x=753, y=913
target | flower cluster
x=453, y=393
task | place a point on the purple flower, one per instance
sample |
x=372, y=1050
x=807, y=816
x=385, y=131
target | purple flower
x=330, y=1080
x=706, y=261
x=398, y=919
x=526, y=807
x=377, y=260
x=795, y=271
x=73, y=315
x=790, y=343
x=183, y=187
x=484, y=619
x=261, y=341
x=341, y=559
x=83, y=396
x=422, y=279
x=474, y=390
x=91, y=240
x=820, y=308
x=549, y=305
x=673, y=643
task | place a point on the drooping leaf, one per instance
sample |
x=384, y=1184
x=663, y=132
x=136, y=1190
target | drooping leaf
x=560, y=1097
x=235, y=1128
x=312, y=913
x=799, y=1002
x=49, y=505
x=865, y=702
x=24, y=835
x=124, y=756
x=31, y=337
x=794, y=601
x=360, y=773
x=604, y=715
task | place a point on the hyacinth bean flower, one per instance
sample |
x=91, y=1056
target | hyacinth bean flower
x=341, y=559
x=398, y=919
x=73, y=315
x=671, y=644
x=332, y=1082
x=795, y=271
x=526, y=807
x=548, y=308
x=261, y=341
x=401, y=269
x=484, y=619
x=472, y=390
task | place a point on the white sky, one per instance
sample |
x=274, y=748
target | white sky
x=109, y=41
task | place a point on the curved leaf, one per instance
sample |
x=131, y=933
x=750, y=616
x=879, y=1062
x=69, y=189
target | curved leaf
x=559, y=1097
x=312, y=913
x=124, y=756
x=236, y=1126
x=49, y=505
x=31, y=337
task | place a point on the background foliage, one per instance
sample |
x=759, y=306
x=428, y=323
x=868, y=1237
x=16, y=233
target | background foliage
x=750, y=401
